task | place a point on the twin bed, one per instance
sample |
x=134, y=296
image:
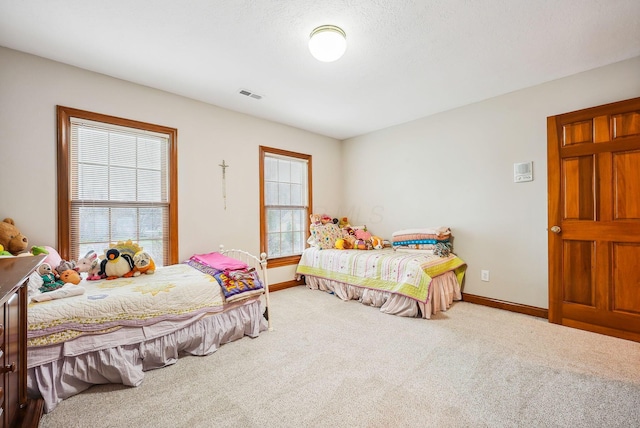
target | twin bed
x=117, y=329
x=410, y=284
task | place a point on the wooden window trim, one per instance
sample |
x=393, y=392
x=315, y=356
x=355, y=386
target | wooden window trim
x=288, y=260
x=64, y=115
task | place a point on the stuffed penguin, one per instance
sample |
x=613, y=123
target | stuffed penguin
x=116, y=265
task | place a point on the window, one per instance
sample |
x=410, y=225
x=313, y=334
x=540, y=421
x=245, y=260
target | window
x=285, y=204
x=117, y=181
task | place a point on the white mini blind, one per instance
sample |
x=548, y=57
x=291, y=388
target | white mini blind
x=119, y=188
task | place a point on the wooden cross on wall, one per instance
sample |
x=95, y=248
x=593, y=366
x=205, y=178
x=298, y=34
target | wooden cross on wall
x=224, y=167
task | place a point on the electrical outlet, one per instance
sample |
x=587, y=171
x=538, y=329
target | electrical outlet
x=484, y=275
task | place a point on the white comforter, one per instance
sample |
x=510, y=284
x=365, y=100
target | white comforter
x=172, y=293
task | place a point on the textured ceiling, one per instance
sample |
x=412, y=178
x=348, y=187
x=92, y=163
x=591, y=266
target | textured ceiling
x=405, y=59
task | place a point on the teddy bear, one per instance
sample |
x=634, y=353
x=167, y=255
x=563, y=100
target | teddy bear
x=314, y=219
x=10, y=237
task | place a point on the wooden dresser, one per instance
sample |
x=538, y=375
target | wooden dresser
x=16, y=409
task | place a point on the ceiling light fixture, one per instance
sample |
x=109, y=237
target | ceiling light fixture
x=327, y=43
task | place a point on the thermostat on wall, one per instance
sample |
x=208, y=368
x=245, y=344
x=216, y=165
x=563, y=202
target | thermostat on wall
x=522, y=172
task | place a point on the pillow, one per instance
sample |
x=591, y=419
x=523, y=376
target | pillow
x=325, y=236
x=53, y=258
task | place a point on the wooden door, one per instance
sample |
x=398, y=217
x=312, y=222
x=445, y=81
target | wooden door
x=594, y=219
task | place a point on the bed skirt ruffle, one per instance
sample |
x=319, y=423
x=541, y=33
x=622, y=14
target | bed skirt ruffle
x=443, y=291
x=125, y=364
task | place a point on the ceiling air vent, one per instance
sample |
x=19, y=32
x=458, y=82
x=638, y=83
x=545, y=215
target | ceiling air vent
x=249, y=94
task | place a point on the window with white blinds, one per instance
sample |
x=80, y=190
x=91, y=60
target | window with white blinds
x=286, y=202
x=119, y=187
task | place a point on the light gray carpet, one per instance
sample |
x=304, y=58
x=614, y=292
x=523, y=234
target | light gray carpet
x=330, y=363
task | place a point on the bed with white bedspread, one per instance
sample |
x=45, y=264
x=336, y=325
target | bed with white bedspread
x=117, y=329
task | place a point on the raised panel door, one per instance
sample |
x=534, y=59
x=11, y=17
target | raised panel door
x=594, y=218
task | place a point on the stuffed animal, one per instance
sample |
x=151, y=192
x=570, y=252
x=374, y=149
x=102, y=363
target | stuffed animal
x=10, y=237
x=325, y=219
x=37, y=250
x=65, y=265
x=143, y=263
x=362, y=234
x=344, y=222
x=70, y=276
x=344, y=244
x=361, y=244
x=50, y=282
x=3, y=252
x=349, y=242
x=377, y=242
x=93, y=273
x=53, y=258
x=314, y=219
x=84, y=264
x=116, y=265
x=347, y=231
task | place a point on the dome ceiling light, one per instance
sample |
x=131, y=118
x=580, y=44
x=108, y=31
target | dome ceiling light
x=327, y=43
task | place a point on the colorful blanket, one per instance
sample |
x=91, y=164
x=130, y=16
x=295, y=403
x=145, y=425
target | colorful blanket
x=236, y=280
x=408, y=274
x=418, y=242
x=172, y=293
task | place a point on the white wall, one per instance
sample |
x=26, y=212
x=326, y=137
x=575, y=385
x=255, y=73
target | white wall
x=30, y=89
x=456, y=169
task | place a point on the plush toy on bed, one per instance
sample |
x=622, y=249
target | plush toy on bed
x=94, y=271
x=65, y=265
x=84, y=264
x=315, y=219
x=49, y=280
x=344, y=244
x=116, y=265
x=143, y=263
x=70, y=276
x=362, y=234
x=11, y=239
x=377, y=242
x=325, y=219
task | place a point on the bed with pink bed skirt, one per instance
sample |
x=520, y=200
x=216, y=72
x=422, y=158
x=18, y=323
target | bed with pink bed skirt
x=409, y=284
x=117, y=329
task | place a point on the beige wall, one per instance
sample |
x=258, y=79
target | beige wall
x=456, y=169
x=30, y=89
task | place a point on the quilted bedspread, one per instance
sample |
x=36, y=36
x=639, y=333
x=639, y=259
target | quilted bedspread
x=172, y=293
x=408, y=274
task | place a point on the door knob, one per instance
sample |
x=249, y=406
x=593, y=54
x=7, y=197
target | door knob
x=556, y=229
x=8, y=369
